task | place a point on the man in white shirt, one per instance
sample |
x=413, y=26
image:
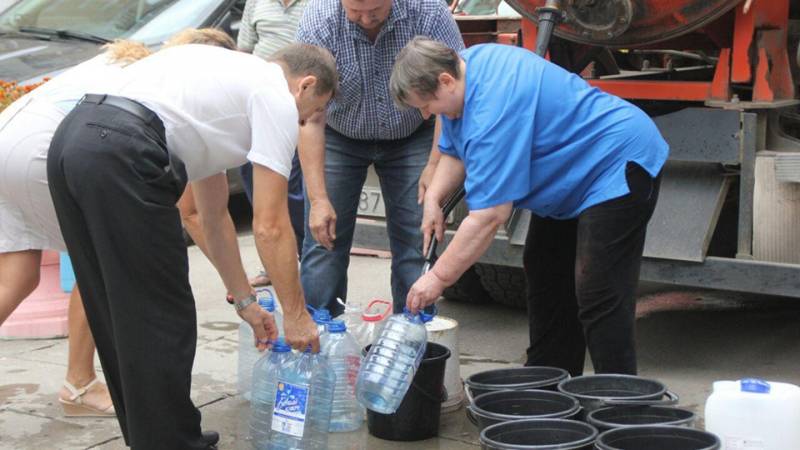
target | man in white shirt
x=117, y=165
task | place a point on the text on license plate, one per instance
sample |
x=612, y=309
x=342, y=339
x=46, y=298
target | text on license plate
x=370, y=203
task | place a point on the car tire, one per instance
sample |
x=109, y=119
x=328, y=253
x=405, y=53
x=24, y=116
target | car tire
x=468, y=289
x=505, y=285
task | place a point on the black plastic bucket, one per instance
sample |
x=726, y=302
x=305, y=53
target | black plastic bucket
x=501, y=406
x=657, y=438
x=539, y=434
x=518, y=378
x=417, y=418
x=599, y=391
x=632, y=416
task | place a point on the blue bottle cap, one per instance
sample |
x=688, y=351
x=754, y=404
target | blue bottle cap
x=424, y=316
x=280, y=346
x=321, y=316
x=336, y=326
x=755, y=385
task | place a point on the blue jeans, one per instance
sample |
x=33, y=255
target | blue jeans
x=296, y=208
x=398, y=164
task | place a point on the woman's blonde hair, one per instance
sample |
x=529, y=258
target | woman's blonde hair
x=125, y=52
x=203, y=36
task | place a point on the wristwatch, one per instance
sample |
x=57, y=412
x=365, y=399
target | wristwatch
x=245, y=302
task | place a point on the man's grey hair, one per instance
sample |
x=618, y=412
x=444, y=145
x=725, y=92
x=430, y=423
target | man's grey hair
x=417, y=69
x=301, y=60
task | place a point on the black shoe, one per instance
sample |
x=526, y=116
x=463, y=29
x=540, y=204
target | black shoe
x=212, y=437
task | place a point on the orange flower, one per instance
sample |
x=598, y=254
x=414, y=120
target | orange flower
x=10, y=91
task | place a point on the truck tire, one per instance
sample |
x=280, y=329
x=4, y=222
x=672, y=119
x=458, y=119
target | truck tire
x=468, y=289
x=504, y=284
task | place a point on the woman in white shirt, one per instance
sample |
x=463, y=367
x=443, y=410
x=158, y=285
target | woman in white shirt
x=28, y=222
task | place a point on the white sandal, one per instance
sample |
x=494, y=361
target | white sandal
x=75, y=407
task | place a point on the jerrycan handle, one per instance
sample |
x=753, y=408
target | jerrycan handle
x=376, y=317
x=428, y=313
x=425, y=315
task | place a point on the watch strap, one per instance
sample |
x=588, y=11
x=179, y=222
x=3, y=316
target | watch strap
x=245, y=302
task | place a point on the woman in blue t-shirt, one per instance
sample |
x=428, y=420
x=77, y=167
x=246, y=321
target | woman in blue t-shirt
x=521, y=132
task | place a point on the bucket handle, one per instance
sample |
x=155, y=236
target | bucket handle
x=471, y=415
x=672, y=399
x=429, y=396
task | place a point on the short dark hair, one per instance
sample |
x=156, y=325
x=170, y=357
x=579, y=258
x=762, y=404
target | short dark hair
x=301, y=60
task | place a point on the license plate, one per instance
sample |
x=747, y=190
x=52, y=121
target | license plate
x=370, y=203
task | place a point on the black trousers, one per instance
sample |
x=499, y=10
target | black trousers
x=582, y=276
x=114, y=188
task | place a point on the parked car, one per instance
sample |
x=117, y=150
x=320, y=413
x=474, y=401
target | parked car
x=41, y=38
x=4, y=4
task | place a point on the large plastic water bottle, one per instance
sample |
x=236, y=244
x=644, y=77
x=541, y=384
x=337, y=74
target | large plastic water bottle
x=248, y=353
x=303, y=398
x=344, y=358
x=754, y=414
x=265, y=375
x=387, y=371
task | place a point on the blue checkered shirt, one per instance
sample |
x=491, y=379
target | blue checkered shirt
x=363, y=109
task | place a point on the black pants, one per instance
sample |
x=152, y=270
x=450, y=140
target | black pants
x=582, y=276
x=114, y=189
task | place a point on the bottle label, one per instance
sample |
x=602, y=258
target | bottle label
x=289, y=414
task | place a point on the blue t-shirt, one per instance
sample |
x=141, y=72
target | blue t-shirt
x=536, y=135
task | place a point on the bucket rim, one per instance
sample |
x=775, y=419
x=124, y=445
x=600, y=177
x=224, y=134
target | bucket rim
x=567, y=446
x=604, y=424
x=444, y=356
x=662, y=388
x=685, y=431
x=571, y=411
x=433, y=359
x=562, y=375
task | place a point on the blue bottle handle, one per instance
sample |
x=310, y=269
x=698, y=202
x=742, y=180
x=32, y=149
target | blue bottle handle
x=428, y=316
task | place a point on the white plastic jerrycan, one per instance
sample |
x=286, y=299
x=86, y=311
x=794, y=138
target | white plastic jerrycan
x=753, y=414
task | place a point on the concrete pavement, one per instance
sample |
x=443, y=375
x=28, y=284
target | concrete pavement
x=711, y=336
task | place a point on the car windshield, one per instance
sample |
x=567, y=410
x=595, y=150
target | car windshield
x=148, y=21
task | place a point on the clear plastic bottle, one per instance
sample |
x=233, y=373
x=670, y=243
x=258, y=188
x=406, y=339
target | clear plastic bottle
x=392, y=361
x=303, y=400
x=344, y=358
x=248, y=353
x=265, y=375
x=365, y=325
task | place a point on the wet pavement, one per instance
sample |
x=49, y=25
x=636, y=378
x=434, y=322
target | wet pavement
x=685, y=339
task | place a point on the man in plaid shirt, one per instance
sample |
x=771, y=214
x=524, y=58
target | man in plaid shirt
x=363, y=127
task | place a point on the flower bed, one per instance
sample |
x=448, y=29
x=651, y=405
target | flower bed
x=11, y=91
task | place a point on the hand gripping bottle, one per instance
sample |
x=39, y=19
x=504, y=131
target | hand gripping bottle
x=248, y=353
x=393, y=359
